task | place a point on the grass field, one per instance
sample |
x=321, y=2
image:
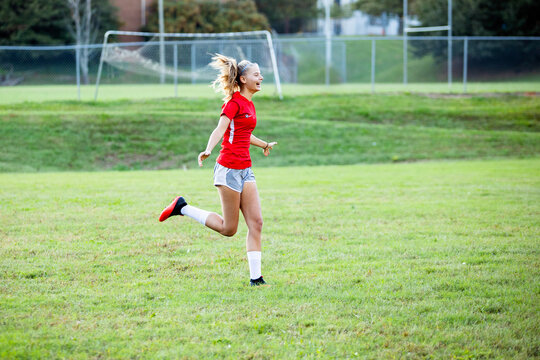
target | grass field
x=413, y=233
x=33, y=93
x=435, y=259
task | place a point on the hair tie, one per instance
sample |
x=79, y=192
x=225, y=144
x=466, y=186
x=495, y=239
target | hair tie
x=244, y=68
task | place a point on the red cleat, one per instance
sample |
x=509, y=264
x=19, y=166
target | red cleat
x=173, y=209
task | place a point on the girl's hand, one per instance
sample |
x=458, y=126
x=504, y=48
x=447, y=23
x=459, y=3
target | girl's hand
x=203, y=156
x=269, y=147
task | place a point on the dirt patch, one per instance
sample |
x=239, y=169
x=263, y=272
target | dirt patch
x=113, y=161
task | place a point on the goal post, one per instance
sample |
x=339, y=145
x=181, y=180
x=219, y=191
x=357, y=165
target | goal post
x=407, y=29
x=193, y=49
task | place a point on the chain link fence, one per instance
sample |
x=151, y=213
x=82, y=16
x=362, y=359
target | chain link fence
x=364, y=61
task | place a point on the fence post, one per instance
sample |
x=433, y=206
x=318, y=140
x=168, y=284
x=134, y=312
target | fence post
x=404, y=42
x=328, y=35
x=465, y=59
x=372, y=66
x=193, y=62
x=344, y=61
x=250, y=52
x=161, y=43
x=450, y=45
x=78, y=70
x=175, y=60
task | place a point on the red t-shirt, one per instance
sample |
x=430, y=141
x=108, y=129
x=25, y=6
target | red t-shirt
x=234, y=152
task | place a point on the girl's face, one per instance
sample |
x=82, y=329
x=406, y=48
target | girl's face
x=252, y=79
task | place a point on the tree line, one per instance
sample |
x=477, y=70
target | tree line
x=51, y=22
x=58, y=22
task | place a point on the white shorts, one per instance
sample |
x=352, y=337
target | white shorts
x=232, y=178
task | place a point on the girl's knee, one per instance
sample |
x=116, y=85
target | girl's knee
x=229, y=231
x=256, y=224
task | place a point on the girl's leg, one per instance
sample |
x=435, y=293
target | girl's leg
x=230, y=204
x=226, y=225
x=251, y=208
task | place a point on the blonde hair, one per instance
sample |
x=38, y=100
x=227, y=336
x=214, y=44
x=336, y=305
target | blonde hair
x=228, y=79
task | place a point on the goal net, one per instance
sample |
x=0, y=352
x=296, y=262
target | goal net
x=184, y=58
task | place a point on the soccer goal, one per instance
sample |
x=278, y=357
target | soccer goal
x=177, y=57
x=407, y=29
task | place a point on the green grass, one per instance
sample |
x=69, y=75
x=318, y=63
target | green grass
x=310, y=130
x=423, y=260
x=410, y=259
x=40, y=93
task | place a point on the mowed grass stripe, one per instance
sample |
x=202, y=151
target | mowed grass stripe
x=44, y=93
x=310, y=131
x=481, y=111
x=57, y=143
x=435, y=259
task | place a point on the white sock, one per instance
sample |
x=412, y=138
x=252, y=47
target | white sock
x=195, y=213
x=254, y=259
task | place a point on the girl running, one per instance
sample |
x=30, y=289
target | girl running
x=233, y=176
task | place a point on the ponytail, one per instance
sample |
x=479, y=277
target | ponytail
x=228, y=79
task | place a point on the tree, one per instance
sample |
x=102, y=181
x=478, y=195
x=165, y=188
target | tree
x=287, y=16
x=472, y=18
x=39, y=22
x=85, y=28
x=193, y=16
x=379, y=7
x=483, y=18
x=82, y=23
x=33, y=22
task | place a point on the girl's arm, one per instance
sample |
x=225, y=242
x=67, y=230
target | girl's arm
x=216, y=135
x=266, y=146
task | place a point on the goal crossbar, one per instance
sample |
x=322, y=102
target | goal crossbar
x=263, y=33
x=428, y=28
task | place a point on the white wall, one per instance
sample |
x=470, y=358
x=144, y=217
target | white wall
x=359, y=24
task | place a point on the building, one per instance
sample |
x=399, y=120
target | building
x=132, y=13
x=363, y=24
x=360, y=23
